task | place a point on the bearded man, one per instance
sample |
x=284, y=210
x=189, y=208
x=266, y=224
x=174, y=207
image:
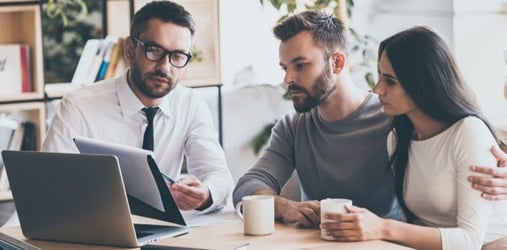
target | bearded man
x=336, y=139
x=147, y=107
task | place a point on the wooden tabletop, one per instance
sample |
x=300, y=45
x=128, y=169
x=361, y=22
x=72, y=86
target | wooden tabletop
x=225, y=231
x=230, y=236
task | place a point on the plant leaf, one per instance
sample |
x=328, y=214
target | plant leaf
x=370, y=79
x=262, y=138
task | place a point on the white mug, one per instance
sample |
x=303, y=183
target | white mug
x=331, y=206
x=257, y=213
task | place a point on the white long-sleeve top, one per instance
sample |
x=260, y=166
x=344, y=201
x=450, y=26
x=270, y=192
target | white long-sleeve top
x=110, y=111
x=437, y=190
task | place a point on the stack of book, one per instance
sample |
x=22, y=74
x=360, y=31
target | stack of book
x=15, y=70
x=15, y=134
x=100, y=59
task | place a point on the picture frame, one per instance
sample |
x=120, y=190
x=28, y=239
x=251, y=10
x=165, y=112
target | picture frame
x=204, y=69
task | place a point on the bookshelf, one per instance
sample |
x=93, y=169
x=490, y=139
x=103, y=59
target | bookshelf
x=34, y=111
x=21, y=24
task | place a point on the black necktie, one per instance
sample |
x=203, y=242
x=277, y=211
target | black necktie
x=148, y=133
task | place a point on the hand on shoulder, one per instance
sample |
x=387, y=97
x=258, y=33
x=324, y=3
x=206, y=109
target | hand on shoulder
x=494, y=185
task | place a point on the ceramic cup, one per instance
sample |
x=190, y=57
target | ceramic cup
x=257, y=213
x=331, y=205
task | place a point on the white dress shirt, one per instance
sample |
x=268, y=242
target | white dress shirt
x=110, y=111
x=437, y=190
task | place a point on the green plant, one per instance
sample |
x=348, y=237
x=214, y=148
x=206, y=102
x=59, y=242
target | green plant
x=290, y=6
x=60, y=8
x=365, y=45
x=262, y=138
x=67, y=25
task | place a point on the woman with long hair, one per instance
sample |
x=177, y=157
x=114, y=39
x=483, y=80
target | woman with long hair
x=438, y=133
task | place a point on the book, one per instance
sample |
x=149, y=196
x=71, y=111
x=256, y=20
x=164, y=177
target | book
x=91, y=75
x=7, y=128
x=116, y=58
x=105, y=61
x=11, y=137
x=28, y=142
x=15, y=70
x=17, y=137
x=102, y=60
x=26, y=69
x=94, y=60
x=121, y=67
x=86, y=59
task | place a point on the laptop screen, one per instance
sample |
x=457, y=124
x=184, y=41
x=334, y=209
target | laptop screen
x=76, y=198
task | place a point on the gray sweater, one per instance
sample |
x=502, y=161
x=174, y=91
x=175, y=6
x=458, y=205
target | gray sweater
x=340, y=159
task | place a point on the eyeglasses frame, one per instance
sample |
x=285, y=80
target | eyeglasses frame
x=166, y=52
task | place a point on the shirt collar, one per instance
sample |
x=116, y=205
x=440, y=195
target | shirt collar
x=129, y=103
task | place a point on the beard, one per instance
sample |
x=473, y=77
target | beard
x=318, y=93
x=150, y=91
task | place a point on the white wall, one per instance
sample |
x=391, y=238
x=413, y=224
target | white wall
x=476, y=30
x=246, y=41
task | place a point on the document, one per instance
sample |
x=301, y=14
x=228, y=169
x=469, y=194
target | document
x=136, y=173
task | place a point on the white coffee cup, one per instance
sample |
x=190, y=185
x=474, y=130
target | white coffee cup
x=257, y=213
x=331, y=205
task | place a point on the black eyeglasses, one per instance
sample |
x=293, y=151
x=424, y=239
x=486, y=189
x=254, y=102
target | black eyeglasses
x=156, y=53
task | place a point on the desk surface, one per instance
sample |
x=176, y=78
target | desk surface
x=227, y=233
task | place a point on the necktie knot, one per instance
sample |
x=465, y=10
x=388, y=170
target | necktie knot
x=148, y=133
x=150, y=113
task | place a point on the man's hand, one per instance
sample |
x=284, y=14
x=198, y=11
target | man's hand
x=189, y=193
x=306, y=213
x=493, y=186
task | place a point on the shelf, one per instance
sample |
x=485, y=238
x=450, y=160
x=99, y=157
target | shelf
x=58, y=90
x=21, y=25
x=30, y=111
x=22, y=97
x=17, y=1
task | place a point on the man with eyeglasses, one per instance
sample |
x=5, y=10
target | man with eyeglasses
x=146, y=107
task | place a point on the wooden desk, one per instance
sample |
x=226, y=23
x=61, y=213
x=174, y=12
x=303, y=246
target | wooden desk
x=228, y=234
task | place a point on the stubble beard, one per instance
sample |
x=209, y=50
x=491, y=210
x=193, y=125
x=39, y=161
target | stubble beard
x=140, y=81
x=318, y=93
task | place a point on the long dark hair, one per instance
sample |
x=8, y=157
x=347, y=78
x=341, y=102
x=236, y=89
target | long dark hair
x=426, y=69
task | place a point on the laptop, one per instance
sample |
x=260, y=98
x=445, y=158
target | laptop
x=146, y=188
x=77, y=198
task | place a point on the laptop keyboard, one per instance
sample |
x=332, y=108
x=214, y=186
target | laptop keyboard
x=141, y=234
x=145, y=230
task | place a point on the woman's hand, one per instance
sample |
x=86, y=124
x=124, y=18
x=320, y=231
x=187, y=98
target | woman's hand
x=357, y=225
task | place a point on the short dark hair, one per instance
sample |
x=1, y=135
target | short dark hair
x=327, y=30
x=164, y=10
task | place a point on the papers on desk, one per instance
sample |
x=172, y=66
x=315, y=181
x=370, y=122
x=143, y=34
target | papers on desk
x=138, y=178
x=195, y=218
x=198, y=219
